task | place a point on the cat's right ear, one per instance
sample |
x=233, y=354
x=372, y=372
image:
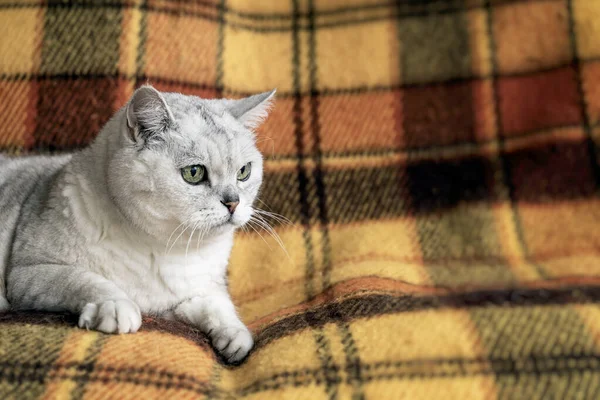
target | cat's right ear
x=148, y=115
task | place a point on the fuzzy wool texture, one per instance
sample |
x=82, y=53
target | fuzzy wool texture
x=437, y=161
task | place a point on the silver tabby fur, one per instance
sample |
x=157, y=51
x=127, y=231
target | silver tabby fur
x=113, y=230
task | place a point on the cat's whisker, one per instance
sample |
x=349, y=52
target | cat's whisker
x=271, y=213
x=269, y=229
x=172, y=233
x=258, y=233
x=203, y=233
x=187, y=226
x=187, y=247
x=265, y=204
x=275, y=236
x=200, y=236
x=246, y=147
x=277, y=240
x=277, y=217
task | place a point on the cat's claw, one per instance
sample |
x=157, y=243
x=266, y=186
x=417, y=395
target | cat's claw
x=113, y=316
x=233, y=343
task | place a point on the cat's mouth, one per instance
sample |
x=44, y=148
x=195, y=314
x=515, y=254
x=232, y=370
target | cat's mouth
x=232, y=221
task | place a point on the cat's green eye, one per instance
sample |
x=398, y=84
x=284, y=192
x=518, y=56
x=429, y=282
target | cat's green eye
x=244, y=172
x=194, y=174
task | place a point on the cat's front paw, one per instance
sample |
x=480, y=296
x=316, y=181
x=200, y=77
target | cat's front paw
x=232, y=342
x=113, y=316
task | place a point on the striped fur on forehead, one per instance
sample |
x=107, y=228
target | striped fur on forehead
x=210, y=113
x=202, y=132
x=210, y=120
x=195, y=128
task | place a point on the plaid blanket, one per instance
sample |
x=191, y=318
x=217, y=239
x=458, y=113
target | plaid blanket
x=438, y=161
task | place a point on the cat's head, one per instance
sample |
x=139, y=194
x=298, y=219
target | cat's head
x=187, y=163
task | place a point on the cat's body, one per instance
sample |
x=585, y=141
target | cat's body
x=22, y=183
x=108, y=232
x=98, y=242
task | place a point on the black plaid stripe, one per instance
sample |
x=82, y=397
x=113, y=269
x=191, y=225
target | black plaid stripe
x=350, y=350
x=90, y=360
x=220, y=44
x=417, y=154
x=302, y=176
x=542, y=341
x=26, y=372
x=517, y=304
x=507, y=189
x=550, y=369
x=562, y=293
x=498, y=342
x=323, y=91
x=323, y=347
x=19, y=349
x=536, y=361
x=140, y=59
x=427, y=151
x=316, y=150
x=370, y=306
x=265, y=23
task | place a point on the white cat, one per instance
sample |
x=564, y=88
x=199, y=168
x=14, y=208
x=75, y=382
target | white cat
x=141, y=221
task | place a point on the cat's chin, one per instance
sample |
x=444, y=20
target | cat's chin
x=224, y=226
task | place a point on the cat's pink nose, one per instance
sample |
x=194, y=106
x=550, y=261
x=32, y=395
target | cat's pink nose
x=231, y=205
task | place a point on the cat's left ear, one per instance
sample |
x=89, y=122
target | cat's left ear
x=252, y=111
x=148, y=114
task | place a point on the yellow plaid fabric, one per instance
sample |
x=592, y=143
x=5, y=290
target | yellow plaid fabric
x=438, y=161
